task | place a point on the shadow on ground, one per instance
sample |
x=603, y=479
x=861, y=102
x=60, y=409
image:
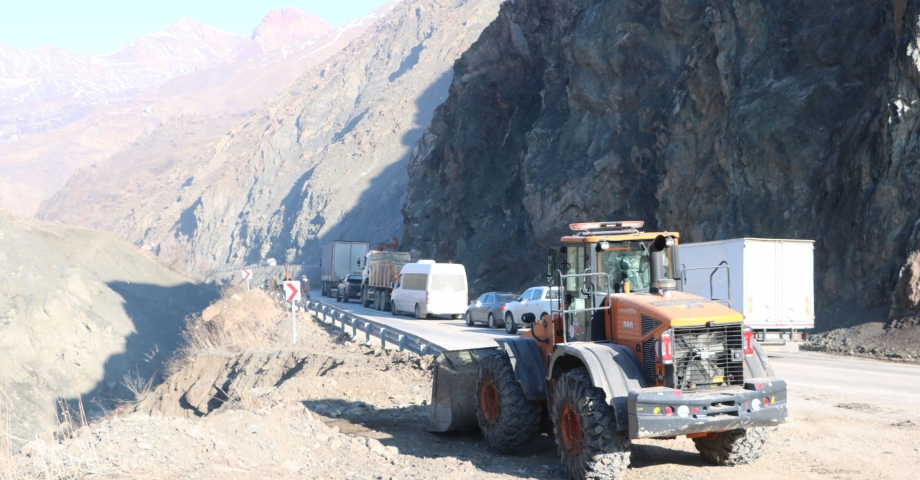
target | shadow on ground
x=405, y=429
x=158, y=313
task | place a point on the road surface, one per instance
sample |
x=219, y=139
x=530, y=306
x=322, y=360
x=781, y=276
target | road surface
x=444, y=332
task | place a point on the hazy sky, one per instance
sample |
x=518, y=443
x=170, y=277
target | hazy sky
x=103, y=26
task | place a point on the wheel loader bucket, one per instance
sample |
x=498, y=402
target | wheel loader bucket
x=453, y=390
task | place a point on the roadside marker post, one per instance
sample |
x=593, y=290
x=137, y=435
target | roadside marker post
x=290, y=294
x=247, y=274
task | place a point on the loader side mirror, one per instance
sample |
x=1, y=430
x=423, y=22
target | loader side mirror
x=529, y=318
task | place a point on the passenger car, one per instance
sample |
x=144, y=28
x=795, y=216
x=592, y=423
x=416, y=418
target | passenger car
x=489, y=308
x=349, y=287
x=536, y=300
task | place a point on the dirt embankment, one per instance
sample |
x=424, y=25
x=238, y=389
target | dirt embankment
x=79, y=311
x=241, y=401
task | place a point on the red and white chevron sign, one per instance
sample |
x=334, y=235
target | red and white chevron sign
x=246, y=274
x=291, y=290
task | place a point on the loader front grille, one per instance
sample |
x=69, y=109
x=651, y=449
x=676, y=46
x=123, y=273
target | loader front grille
x=708, y=357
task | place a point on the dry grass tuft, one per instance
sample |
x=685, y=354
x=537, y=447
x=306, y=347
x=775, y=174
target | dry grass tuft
x=67, y=453
x=137, y=384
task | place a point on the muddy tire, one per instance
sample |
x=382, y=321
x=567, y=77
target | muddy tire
x=732, y=448
x=507, y=419
x=586, y=432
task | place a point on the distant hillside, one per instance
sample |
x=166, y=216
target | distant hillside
x=79, y=310
x=70, y=111
x=324, y=160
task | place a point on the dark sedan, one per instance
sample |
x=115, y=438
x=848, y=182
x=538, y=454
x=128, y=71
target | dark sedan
x=489, y=308
x=349, y=288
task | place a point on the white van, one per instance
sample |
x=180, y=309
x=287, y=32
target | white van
x=429, y=288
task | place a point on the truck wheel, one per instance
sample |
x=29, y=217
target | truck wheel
x=418, y=312
x=507, y=419
x=510, y=326
x=393, y=308
x=345, y=296
x=586, y=431
x=492, y=321
x=338, y=296
x=469, y=319
x=364, y=301
x=735, y=447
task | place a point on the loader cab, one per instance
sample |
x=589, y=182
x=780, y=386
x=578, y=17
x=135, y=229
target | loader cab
x=601, y=259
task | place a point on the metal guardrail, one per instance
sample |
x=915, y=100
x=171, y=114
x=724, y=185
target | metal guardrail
x=256, y=267
x=325, y=313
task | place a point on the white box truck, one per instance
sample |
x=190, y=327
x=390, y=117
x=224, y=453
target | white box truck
x=769, y=281
x=340, y=259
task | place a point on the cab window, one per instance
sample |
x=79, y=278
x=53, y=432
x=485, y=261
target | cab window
x=630, y=261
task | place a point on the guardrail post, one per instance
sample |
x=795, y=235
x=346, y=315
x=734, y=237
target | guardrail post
x=343, y=322
x=368, y=328
x=402, y=342
x=354, y=328
x=383, y=339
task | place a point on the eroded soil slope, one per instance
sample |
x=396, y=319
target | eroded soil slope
x=79, y=310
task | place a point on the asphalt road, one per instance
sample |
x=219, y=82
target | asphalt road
x=851, y=378
x=444, y=332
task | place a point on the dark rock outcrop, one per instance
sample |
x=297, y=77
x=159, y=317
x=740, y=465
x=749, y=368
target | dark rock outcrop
x=714, y=118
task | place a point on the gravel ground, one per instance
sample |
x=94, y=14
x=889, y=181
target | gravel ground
x=366, y=417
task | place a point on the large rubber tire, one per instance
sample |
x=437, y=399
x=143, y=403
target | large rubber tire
x=338, y=295
x=587, y=439
x=510, y=326
x=418, y=312
x=492, y=320
x=732, y=448
x=364, y=301
x=507, y=419
x=345, y=296
x=393, y=309
x=469, y=319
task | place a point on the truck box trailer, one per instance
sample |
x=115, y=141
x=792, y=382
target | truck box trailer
x=341, y=258
x=380, y=271
x=769, y=281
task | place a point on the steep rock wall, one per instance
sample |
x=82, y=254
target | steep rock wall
x=714, y=118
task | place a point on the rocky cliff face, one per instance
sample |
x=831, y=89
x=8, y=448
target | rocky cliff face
x=324, y=160
x=714, y=118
